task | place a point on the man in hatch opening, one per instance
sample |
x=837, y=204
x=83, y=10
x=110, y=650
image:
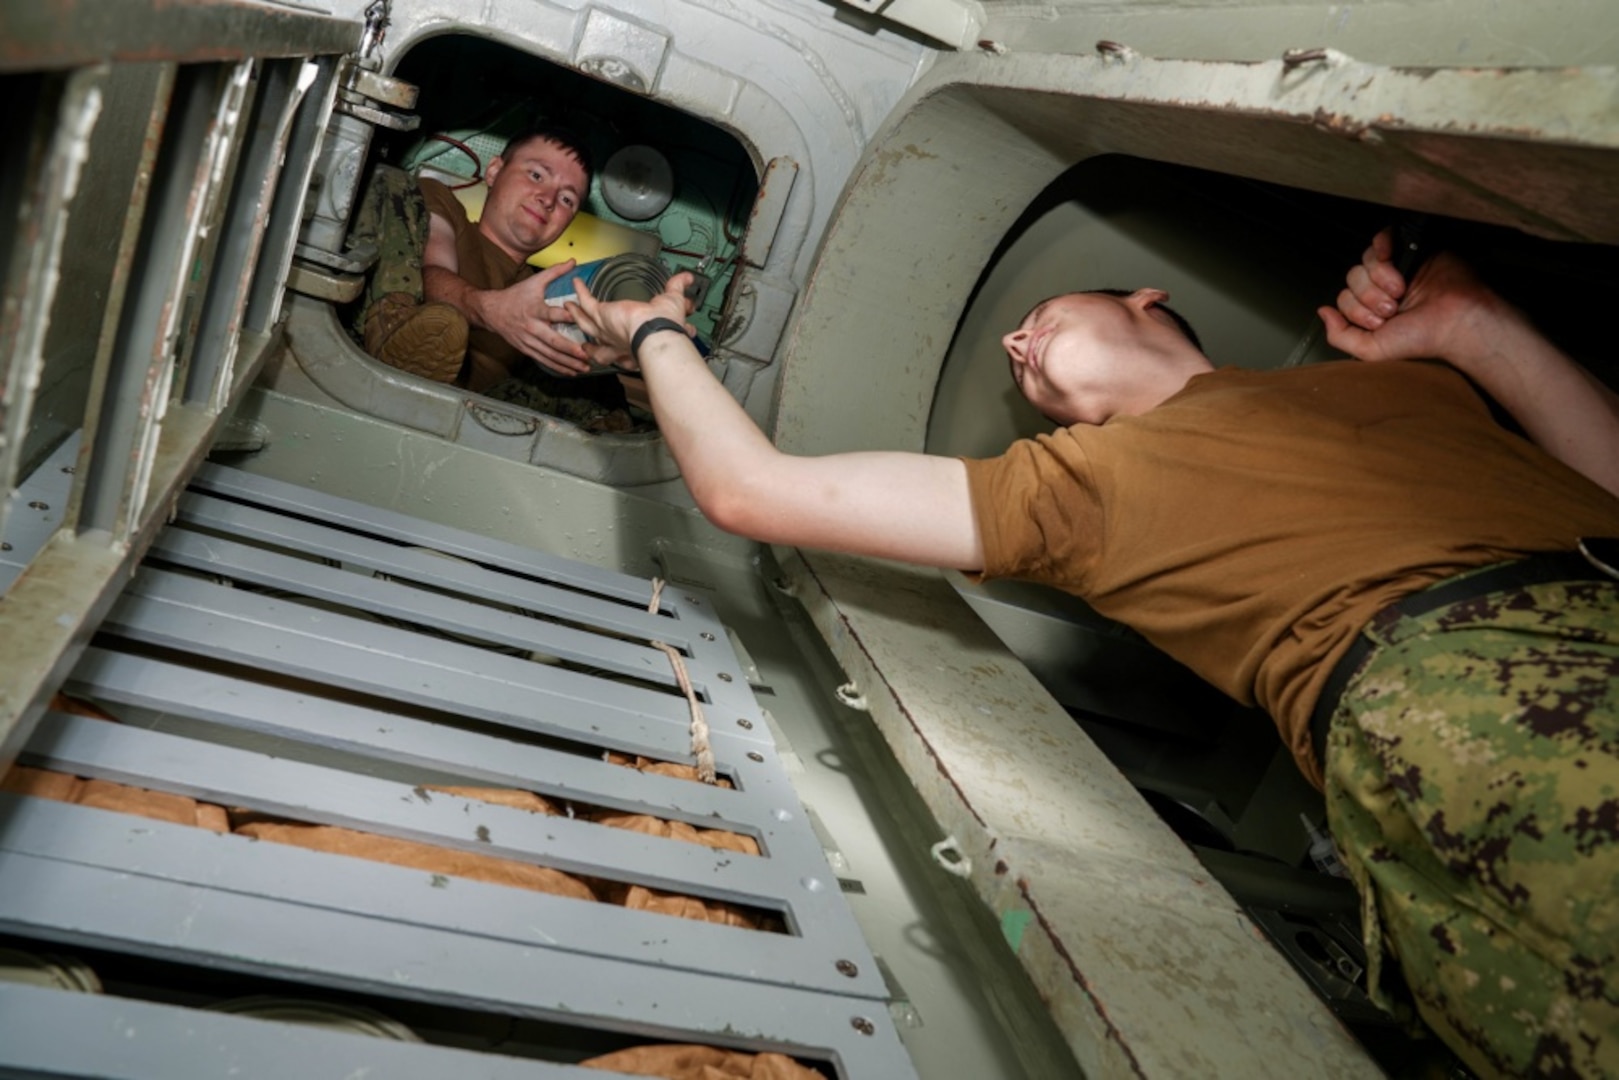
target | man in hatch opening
x=456, y=301
x=1358, y=547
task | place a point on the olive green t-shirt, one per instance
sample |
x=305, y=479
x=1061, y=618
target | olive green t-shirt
x=1251, y=525
x=483, y=266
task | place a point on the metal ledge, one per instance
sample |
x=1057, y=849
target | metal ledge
x=1114, y=919
x=341, y=372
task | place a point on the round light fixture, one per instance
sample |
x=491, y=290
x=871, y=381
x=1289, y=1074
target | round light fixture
x=637, y=183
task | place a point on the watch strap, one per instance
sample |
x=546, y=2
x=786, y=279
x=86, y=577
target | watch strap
x=650, y=327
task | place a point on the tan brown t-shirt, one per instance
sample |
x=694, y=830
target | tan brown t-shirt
x=1253, y=523
x=483, y=266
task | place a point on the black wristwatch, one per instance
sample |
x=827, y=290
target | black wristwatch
x=647, y=329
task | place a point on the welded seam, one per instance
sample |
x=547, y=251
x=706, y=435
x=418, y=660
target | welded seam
x=1084, y=984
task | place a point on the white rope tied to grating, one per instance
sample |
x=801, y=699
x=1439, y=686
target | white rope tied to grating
x=699, y=726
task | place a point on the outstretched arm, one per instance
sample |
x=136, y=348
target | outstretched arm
x=518, y=313
x=1447, y=313
x=911, y=507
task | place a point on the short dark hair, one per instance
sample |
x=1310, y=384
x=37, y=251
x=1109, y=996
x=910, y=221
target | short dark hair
x=562, y=136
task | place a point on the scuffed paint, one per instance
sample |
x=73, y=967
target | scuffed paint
x=1123, y=926
x=1013, y=923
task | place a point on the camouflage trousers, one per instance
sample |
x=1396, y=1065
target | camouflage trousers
x=1473, y=790
x=393, y=214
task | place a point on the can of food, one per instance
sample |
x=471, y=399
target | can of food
x=629, y=276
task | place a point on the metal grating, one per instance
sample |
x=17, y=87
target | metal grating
x=274, y=612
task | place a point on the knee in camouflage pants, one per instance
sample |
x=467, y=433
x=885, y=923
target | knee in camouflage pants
x=1473, y=789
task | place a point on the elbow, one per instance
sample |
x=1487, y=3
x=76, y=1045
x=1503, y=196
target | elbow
x=741, y=501
x=746, y=490
x=728, y=506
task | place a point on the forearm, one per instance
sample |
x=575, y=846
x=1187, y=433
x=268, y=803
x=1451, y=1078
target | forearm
x=1564, y=409
x=446, y=286
x=705, y=429
x=912, y=507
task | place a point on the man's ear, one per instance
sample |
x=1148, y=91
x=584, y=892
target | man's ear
x=492, y=170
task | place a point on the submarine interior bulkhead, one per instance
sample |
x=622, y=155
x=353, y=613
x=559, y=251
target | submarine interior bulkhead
x=409, y=687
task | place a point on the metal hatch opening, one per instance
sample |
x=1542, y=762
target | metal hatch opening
x=671, y=192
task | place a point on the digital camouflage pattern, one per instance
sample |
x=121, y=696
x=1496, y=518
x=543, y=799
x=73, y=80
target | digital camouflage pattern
x=1473, y=790
x=393, y=215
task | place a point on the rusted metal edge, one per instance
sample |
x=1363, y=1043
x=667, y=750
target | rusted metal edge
x=1568, y=106
x=1054, y=942
x=47, y=35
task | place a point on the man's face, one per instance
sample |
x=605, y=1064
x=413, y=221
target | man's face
x=533, y=195
x=1078, y=358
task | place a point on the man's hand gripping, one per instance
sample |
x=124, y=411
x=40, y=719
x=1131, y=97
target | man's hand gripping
x=1444, y=313
x=520, y=315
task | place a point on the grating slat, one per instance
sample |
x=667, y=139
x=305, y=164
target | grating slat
x=423, y=566
x=332, y=510
x=119, y=678
x=686, y=619
x=58, y=1033
x=287, y=638
x=298, y=877
x=387, y=597
x=93, y=906
x=233, y=777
